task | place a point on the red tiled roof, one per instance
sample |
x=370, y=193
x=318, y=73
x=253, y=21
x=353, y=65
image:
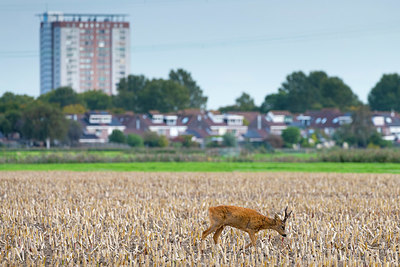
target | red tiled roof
x=281, y=112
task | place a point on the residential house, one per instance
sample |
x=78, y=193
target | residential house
x=134, y=123
x=278, y=120
x=325, y=120
x=387, y=124
x=197, y=124
x=169, y=125
x=87, y=138
x=99, y=124
x=220, y=124
x=257, y=126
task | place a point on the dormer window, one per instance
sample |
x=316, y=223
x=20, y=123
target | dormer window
x=100, y=118
x=170, y=119
x=378, y=120
x=218, y=118
x=234, y=120
x=158, y=118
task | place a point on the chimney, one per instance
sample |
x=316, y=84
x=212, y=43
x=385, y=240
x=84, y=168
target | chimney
x=392, y=113
x=259, y=122
x=137, y=123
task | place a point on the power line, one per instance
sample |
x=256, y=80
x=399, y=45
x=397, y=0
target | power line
x=35, y=6
x=263, y=39
x=241, y=41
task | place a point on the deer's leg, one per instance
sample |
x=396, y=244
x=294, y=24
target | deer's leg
x=209, y=230
x=217, y=234
x=253, y=239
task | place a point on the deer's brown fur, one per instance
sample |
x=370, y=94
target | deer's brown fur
x=244, y=219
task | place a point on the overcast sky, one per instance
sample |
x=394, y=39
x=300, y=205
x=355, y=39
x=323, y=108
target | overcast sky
x=229, y=46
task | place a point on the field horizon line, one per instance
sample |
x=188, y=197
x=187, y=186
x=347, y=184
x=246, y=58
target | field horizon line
x=330, y=167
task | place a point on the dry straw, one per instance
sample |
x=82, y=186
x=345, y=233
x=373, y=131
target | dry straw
x=156, y=219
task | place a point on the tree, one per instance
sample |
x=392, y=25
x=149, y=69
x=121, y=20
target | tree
x=376, y=140
x=74, y=109
x=196, y=97
x=5, y=125
x=11, y=106
x=360, y=131
x=362, y=127
x=96, y=100
x=117, y=137
x=274, y=102
x=300, y=96
x=344, y=135
x=10, y=121
x=163, y=141
x=274, y=141
x=291, y=136
x=14, y=117
x=164, y=96
x=128, y=91
x=10, y=101
x=74, y=131
x=243, y=103
x=43, y=122
x=152, y=139
x=229, y=140
x=228, y=108
x=317, y=90
x=138, y=94
x=134, y=140
x=386, y=93
x=187, y=141
x=62, y=96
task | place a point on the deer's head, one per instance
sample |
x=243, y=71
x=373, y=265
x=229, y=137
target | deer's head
x=280, y=224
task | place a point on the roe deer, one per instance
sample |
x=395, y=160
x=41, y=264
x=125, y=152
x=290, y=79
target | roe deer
x=244, y=219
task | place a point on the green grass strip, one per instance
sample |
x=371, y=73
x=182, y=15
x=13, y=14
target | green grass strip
x=211, y=167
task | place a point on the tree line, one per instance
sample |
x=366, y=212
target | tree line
x=43, y=117
x=301, y=92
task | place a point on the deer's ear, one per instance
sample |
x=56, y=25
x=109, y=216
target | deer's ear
x=276, y=217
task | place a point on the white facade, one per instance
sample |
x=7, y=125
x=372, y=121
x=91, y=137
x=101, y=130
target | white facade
x=120, y=56
x=69, y=58
x=277, y=129
x=104, y=130
x=378, y=120
x=237, y=130
x=275, y=118
x=234, y=119
x=168, y=130
x=100, y=118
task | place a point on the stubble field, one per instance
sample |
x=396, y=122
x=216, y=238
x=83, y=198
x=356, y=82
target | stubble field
x=117, y=218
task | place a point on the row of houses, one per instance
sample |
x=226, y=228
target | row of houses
x=252, y=126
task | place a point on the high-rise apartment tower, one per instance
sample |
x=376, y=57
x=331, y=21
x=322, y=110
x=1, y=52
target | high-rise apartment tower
x=83, y=51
